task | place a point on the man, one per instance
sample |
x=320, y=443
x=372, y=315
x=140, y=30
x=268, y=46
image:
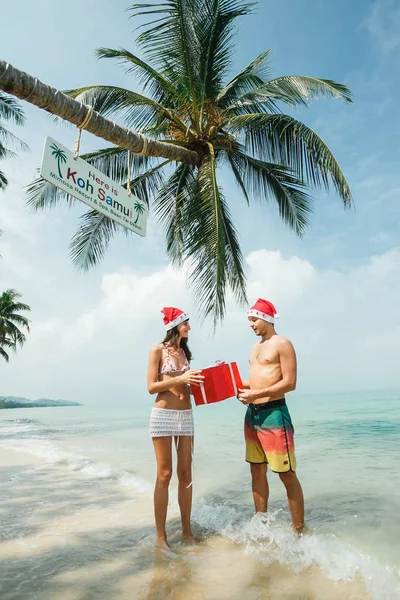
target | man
x=268, y=426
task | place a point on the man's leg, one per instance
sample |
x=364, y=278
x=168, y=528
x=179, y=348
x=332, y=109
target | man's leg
x=295, y=499
x=260, y=486
x=255, y=455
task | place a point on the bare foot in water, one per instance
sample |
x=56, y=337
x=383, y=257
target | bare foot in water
x=300, y=529
x=161, y=548
x=190, y=540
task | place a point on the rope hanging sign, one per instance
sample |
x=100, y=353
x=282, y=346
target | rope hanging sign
x=84, y=124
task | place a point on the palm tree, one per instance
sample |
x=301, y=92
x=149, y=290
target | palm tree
x=139, y=208
x=9, y=110
x=237, y=123
x=11, y=322
x=60, y=156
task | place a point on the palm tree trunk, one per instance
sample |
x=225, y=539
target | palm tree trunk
x=59, y=168
x=24, y=86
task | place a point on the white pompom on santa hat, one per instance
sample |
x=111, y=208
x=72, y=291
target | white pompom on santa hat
x=264, y=309
x=173, y=317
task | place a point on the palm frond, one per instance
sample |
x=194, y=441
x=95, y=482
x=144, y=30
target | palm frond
x=6, y=137
x=42, y=195
x=10, y=109
x=170, y=208
x=200, y=232
x=9, y=297
x=291, y=90
x=247, y=80
x=216, y=21
x=300, y=90
x=92, y=239
x=19, y=319
x=6, y=153
x=3, y=181
x=212, y=246
x=12, y=307
x=137, y=111
x=171, y=41
x=14, y=334
x=282, y=139
x=160, y=89
x=3, y=353
x=266, y=182
x=147, y=185
x=96, y=230
x=238, y=176
x=6, y=342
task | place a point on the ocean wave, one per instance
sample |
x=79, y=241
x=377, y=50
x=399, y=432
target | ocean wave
x=271, y=540
x=19, y=420
x=16, y=430
x=26, y=431
x=53, y=454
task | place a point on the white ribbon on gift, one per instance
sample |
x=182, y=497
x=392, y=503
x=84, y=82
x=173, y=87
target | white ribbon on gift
x=219, y=362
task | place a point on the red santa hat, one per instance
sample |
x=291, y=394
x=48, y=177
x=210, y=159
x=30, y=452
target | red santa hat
x=173, y=317
x=263, y=309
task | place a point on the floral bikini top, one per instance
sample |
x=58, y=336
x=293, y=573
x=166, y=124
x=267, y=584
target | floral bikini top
x=169, y=366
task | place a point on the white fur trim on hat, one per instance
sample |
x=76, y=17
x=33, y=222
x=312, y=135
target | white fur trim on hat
x=260, y=315
x=183, y=317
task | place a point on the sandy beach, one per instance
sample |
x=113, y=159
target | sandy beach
x=86, y=545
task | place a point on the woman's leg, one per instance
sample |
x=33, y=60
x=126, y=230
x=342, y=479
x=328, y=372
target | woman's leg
x=184, y=471
x=163, y=450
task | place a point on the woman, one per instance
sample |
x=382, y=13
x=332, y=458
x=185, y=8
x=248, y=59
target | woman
x=169, y=376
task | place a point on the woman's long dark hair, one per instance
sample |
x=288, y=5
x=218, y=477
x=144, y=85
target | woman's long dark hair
x=172, y=339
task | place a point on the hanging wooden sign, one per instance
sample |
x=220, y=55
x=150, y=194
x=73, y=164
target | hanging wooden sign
x=79, y=179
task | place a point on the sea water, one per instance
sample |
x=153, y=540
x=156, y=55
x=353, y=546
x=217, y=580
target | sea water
x=76, y=520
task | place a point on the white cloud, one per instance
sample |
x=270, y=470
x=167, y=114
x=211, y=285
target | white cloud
x=383, y=24
x=128, y=301
x=345, y=326
x=273, y=276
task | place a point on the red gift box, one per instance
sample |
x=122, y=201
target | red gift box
x=220, y=382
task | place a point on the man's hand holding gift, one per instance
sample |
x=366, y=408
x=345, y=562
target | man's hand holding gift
x=247, y=396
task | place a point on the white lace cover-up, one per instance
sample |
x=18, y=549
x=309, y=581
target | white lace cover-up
x=166, y=422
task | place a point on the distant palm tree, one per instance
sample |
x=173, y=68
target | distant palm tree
x=11, y=322
x=235, y=123
x=139, y=208
x=60, y=156
x=9, y=110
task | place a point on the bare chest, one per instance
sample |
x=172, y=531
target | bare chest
x=264, y=355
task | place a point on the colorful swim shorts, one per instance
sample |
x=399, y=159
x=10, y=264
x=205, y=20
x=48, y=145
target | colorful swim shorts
x=269, y=436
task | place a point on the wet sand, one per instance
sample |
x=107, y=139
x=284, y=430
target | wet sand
x=69, y=537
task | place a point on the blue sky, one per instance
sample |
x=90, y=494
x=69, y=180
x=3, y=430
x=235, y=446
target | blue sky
x=337, y=289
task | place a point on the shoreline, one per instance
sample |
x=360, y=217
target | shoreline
x=16, y=405
x=94, y=538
